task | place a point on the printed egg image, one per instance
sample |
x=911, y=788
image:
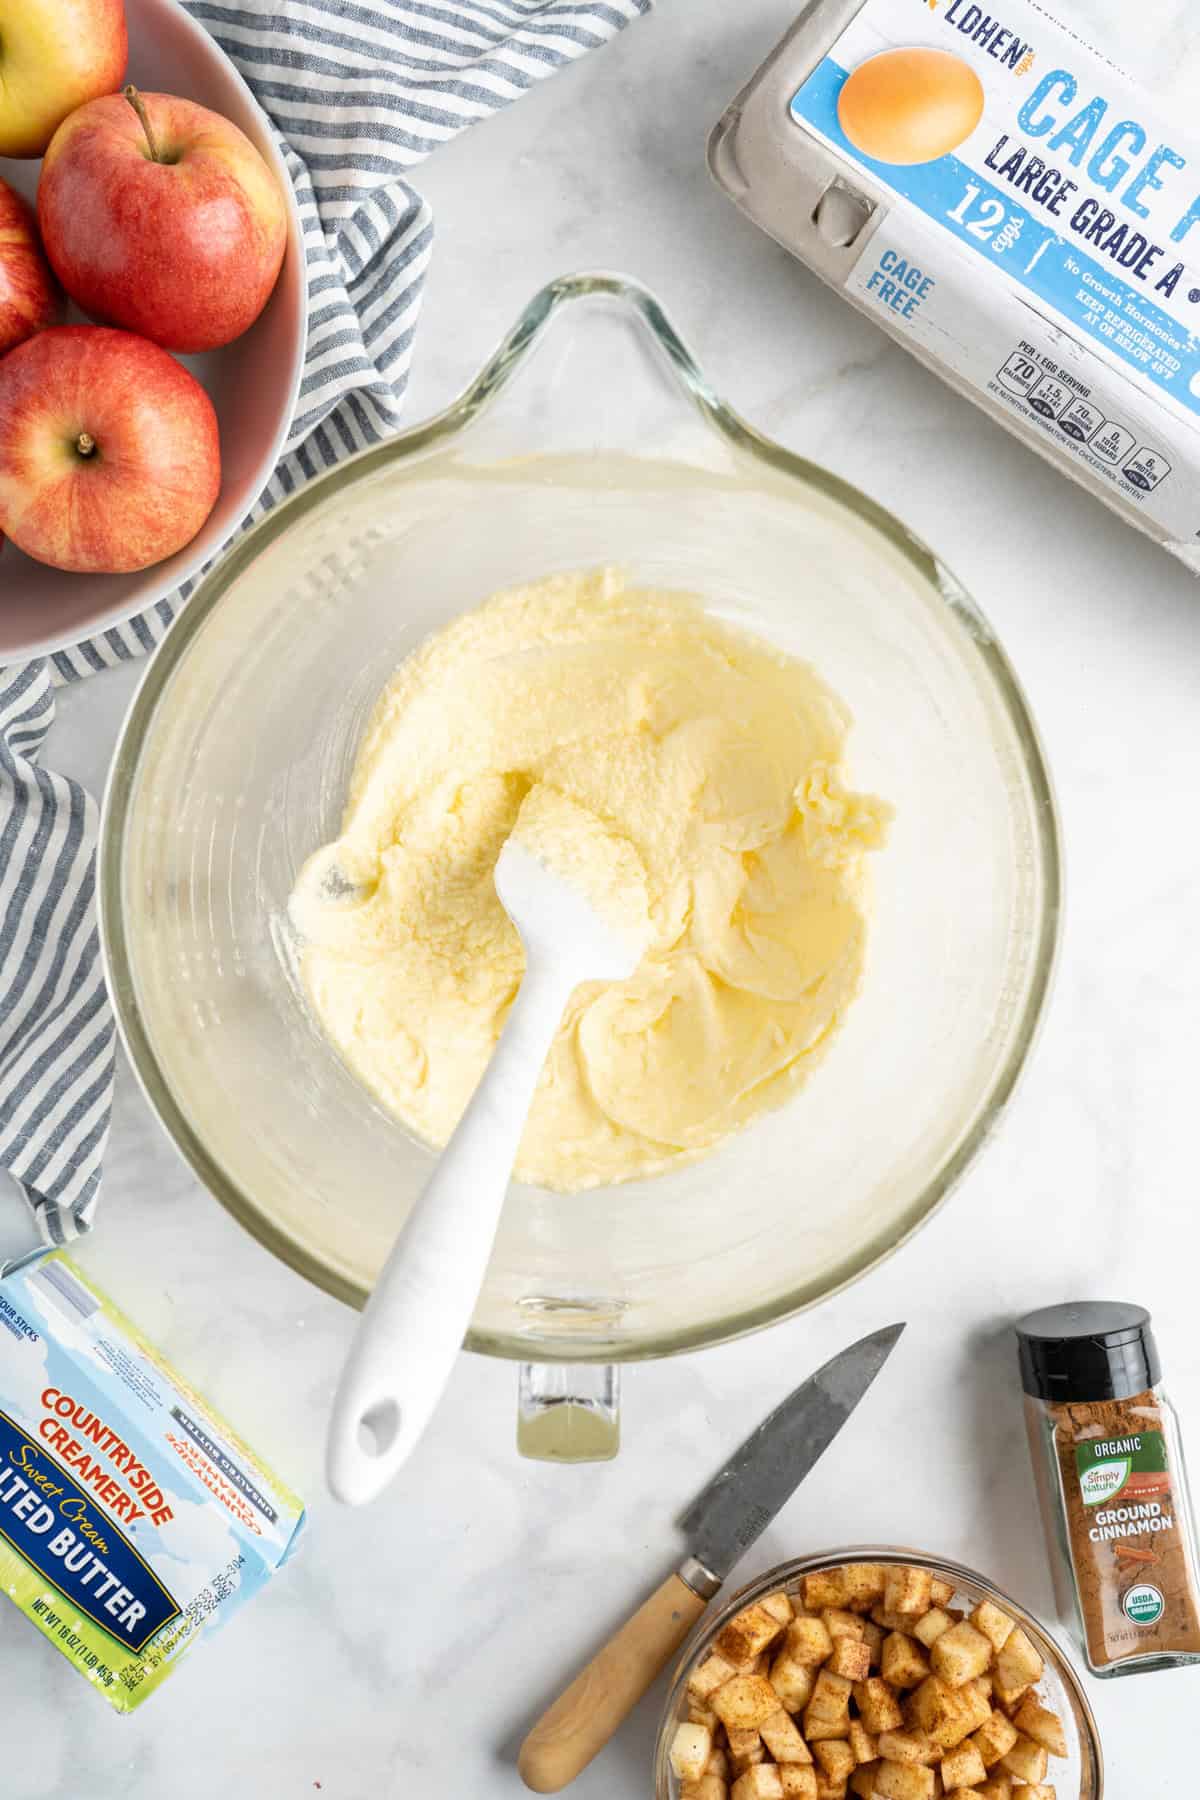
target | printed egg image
x=910, y=106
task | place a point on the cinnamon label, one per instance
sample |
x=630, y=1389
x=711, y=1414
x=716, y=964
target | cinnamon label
x=1129, y=1546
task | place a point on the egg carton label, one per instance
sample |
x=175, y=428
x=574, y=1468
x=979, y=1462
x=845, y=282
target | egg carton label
x=1034, y=154
x=133, y=1524
x=1042, y=376
x=1016, y=210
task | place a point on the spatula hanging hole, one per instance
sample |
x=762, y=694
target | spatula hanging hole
x=379, y=1428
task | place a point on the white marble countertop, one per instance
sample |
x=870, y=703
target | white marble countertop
x=407, y=1649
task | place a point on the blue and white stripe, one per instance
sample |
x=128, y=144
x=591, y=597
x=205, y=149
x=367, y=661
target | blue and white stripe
x=359, y=91
x=56, y=1029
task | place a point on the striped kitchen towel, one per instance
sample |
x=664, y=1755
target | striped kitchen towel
x=359, y=91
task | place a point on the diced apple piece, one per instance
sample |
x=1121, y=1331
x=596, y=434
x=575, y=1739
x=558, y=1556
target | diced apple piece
x=863, y=1585
x=1018, y=1664
x=929, y=1628
x=779, y=1606
x=793, y=1682
x=996, y=1738
x=850, y=1658
x=891, y=1621
x=1038, y=1790
x=907, y=1747
x=798, y=1783
x=873, y=1636
x=908, y=1590
x=976, y=1697
x=1008, y=1699
x=904, y=1663
x=999, y=1787
x=938, y=1711
x=904, y=1781
x=835, y=1759
x=839, y=1623
x=689, y=1751
x=826, y=1588
x=782, y=1739
x=1026, y=1760
x=709, y=1787
x=824, y=1731
x=878, y=1707
x=708, y=1676
x=747, y=1635
x=862, y=1782
x=743, y=1703
x=952, y=1734
x=808, y=1642
x=830, y=1787
x=1042, y=1725
x=831, y=1696
x=863, y=1746
x=745, y=1749
x=961, y=1654
x=963, y=1768
x=942, y=1592
x=702, y=1715
x=995, y=1625
x=761, y=1783
x=718, y=1763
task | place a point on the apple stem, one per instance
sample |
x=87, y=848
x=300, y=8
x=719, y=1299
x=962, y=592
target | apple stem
x=139, y=106
x=85, y=443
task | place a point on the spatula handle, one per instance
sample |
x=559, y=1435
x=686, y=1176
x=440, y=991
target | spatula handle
x=581, y=1720
x=413, y=1324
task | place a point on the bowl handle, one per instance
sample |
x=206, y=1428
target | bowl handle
x=569, y=1412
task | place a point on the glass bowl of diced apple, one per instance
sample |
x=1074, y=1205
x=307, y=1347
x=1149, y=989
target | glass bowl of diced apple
x=876, y=1674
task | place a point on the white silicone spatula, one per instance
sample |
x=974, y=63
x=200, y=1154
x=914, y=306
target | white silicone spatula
x=576, y=895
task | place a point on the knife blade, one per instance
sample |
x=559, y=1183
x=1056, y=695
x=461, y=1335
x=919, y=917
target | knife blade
x=743, y=1497
x=729, y=1515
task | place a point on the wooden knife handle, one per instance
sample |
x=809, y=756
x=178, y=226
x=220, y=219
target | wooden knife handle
x=581, y=1720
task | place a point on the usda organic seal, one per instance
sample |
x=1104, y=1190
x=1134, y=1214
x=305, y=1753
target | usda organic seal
x=1144, y=1605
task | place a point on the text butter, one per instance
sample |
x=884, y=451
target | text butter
x=987, y=184
x=132, y=1522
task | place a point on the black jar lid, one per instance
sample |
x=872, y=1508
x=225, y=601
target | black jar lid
x=1088, y=1350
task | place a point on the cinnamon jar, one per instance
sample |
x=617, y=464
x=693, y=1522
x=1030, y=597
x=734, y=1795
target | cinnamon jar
x=1108, y=1463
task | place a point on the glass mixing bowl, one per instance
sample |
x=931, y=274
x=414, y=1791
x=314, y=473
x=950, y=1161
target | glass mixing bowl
x=591, y=436
x=1078, y=1776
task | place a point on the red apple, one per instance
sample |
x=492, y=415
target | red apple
x=109, y=458
x=161, y=216
x=29, y=296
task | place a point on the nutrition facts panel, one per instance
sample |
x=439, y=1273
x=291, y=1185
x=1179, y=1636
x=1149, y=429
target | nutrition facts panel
x=1062, y=398
x=1082, y=421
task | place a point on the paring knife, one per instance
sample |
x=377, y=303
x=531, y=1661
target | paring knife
x=721, y=1524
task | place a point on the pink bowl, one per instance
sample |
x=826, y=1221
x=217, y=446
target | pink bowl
x=254, y=383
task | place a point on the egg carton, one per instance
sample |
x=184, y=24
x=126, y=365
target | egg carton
x=998, y=195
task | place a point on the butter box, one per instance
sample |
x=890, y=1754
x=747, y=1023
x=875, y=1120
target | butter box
x=133, y=1523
